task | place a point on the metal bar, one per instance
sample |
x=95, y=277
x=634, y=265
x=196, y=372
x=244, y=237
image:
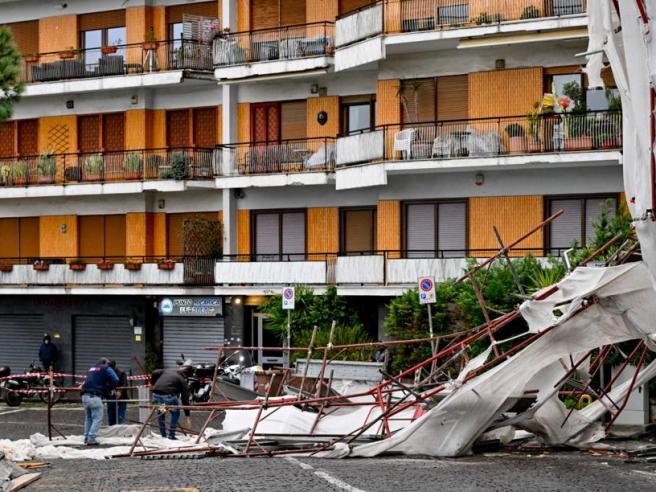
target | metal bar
x=141, y=431
x=307, y=364
x=323, y=361
x=508, y=262
x=630, y=390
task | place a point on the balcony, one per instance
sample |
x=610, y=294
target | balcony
x=405, y=16
x=108, y=167
x=114, y=271
x=308, y=155
x=266, y=52
x=551, y=139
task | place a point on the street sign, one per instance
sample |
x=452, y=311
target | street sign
x=426, y=290
x=288, y=297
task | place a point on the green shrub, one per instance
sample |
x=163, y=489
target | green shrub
x=515, y=130
x=94, y=164
x=530, y=12
x=179, y=163
x=46, y=165
x=133, y=163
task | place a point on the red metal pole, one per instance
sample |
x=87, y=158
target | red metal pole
x=630, y=390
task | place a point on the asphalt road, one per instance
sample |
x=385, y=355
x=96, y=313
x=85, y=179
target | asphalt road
x=496, y=471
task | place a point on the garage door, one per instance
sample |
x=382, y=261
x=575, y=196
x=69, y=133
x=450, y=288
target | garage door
x=102, y=336
x=20, y=339
x=190, y=336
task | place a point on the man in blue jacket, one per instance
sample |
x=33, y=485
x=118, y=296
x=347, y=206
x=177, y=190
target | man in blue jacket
x=101, y=380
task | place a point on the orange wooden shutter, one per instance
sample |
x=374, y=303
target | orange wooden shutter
x=293, y=119
x=264, y=14
x=292, y=12
x=88, y=133
x=9, y=238
x=452, y=98
x=7, y=144
x=91, y=234
x=29, y=237
x=114, y=132
x=177, y=128
x=28, y=137
x=205, y=127
x=114, y=232
x=101, y=20
x=26, y=36
x=419, y=96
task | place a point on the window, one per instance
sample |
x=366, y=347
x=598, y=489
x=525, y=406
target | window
x=93, y=40
x=358, y=230
x=576, y=223
x=358, y=113
x=279, y=236
x=453, y=14
x=591, y=99
x=436, y=229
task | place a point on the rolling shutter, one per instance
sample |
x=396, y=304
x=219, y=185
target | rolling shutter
x=452, y=229
x=205, y=127
x=101, y=20
x=293, y=117
x=292, y=12
x=28, y=237
x=28, y=137
x=177, y=128
x=420, y=230
x=26, y=36
x=8, y=239
x=115, y=235
x=20, y=339
x=293, y=235
x=264, y=14
x=88, y=133
x=267, y=234
x=567, y=228
x=7, y=139
x=114, y=132
x=102, y=336
x=190, y=336
x=452, y=98
x=359, y=235
x=91, y=233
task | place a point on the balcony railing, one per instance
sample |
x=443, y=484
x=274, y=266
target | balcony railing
x=487, y=137
x=124, y=165
x=181, y=54
x=393, y=16
x=286, y=156
x=280, y=43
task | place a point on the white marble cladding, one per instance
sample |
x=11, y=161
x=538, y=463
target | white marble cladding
x=271, y=272
x=363, y=147
x=359, y=25
x=369, y=269
x=407, y=271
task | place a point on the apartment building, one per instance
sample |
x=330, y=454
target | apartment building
x=324, y=142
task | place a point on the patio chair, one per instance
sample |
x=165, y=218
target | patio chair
x=403, y=142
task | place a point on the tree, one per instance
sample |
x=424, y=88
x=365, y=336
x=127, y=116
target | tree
x=11, y=87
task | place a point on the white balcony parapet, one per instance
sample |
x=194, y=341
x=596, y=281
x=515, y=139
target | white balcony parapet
x=271, y=272
x=369, y=269
x=363, y=147
x=360, y=25
x=149, y=274
x=407, y=271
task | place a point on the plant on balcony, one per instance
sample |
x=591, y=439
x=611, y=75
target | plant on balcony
x=112, y=48
x=614, y=100
x=20, y=173
x=11, y=76
x=105, y=265
x=179, y=162
x=32, y=58
x=68, y=53
x=151, y=40
x=133, y=266
x=486, y=18
x=41, y=266
x=578, y=132
x=133, y=166
x=6, y=267
x=530, y=12
x=77, y=265
x=407, y=91
x=516, y=142
x=168, y=264
x=46, y=167
x=5, y=174
x=534, y=118
x=94, y=167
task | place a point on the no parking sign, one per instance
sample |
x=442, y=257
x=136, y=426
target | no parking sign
x=288, y=297
x=426, y=290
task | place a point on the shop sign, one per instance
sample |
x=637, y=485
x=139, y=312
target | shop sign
x=191, y=306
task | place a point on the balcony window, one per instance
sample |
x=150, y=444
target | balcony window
x=279, y=236
x=576, y=223
x=358, y=230
x=436, y=229
x=358, y=114
x=93, y=40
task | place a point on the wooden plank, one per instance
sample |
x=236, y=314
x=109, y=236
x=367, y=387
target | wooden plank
x=23, y=481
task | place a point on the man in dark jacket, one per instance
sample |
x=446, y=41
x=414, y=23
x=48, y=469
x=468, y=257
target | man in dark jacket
x=116, y=404
x=48, y=353
x=169, y=386
x=100, y=380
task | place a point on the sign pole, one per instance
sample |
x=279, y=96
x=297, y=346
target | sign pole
x=288, y=303
x=427, y=296
x=430, y=327
x=288, y=356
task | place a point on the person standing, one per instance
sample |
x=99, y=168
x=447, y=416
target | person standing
x=169, y=387
x=117, y=404
x=48, y=353
x=100, y=380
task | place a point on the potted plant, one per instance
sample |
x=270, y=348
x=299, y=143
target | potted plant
x=68, y=53
x=32, y=58
x=533, y=142
x=132, y=266
x=105, y=265
x=94, y=167
x=46, y=167
x=5, y=175
x=77, y=265
x=168, y=264
x=516, y=142
x=485, y=18
x=111, y=49
x=133, y=166
x=530, y=12
x=577, y=132
x=41, y=266
x=151, y=40
x=179, y=163
x=20, y=173
x=6, y=267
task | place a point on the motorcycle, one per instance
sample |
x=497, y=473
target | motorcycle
x=17, y=388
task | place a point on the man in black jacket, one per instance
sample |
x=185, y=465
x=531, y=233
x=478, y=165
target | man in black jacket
x=169, y=387
x=48, y=353
x=116, y=404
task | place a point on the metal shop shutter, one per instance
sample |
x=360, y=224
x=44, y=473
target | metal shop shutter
x=420, y=230
x=452, y=229
x=20, y=339
x=102, y=336
x=190, y=336
x=567, y=228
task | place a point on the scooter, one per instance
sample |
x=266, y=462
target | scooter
x=15, y=389
x=200, y=380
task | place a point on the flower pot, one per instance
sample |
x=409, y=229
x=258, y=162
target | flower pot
x=66, y=55
x=516, y=145
x=92, y=177
x=132, y=176
x=46, y=179
x=22, y=181
x=166, y=265
x=31, y=59
x=105, y=265
x=77, y=267
x=133, y=267
x=41, y=266
x=534, y=145
x=150, y=46
x=108, y=50
x=578, y=143
x=6, y=268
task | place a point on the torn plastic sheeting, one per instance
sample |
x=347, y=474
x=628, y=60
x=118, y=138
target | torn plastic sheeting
x=624, y=310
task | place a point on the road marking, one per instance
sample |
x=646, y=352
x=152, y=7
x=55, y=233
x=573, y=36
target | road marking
x=334, y=481
x=649, y=474
x=12, y=411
